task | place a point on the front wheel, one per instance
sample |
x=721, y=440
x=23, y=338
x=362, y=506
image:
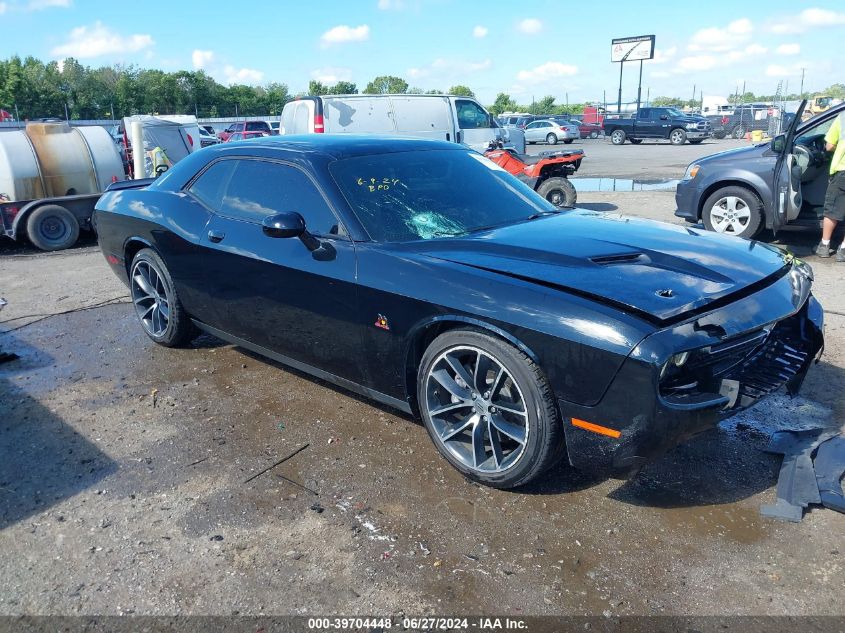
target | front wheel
x=488, y=409
x=551, y=139
x=156, y=303
x=617, y=137
x=677, y=137
x=738, y=131
x=559, y=191
x=52, y=228
x=733, y=211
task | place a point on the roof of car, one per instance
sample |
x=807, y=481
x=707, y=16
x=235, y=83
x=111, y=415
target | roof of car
x=339, y=145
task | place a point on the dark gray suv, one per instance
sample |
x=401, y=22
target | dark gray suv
x=732, y=192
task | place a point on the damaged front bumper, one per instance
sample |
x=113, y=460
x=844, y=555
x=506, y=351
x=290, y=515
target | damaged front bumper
x=731, y=358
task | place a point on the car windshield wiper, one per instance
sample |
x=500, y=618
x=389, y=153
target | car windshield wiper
x=542, y=214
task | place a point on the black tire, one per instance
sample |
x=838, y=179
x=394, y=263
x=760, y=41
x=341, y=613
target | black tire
x=179, y=330
x=636, y=141
x=617, y=137
x=695, y=141
x=52, y=228
x=719, y=135
x=594, y=134
x=551, y=139
x=751, y=202
x=559, y=191
x=738, y=131
x=569, y=141
x=544, y=443
x=677, y=136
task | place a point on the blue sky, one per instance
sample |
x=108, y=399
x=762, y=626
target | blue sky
x=525, y=49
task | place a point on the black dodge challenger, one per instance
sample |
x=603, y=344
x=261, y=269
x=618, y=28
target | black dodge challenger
x=422, y=275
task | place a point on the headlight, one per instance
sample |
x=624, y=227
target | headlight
x=677, y=360
x=691, y=172
x=803, y=268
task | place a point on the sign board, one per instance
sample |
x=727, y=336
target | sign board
x=630, y=49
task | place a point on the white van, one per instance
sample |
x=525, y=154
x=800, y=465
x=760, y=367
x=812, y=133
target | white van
x=445, y=117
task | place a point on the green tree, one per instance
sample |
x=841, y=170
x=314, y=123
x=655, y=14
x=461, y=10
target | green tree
x=461, y=91
x=434, y=92
x=546, y=105
x=503, y=103
x=317, y=88
x=386, y=84
x=344, y=88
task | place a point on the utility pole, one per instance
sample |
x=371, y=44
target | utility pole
x=67, y=118
x=648, y=96
x=803, y=70
x=693, y=94
x=17, y=116
x=112, y=111
x=619, y=100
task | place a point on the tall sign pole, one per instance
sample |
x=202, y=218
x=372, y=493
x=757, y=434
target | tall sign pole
x=629, y=49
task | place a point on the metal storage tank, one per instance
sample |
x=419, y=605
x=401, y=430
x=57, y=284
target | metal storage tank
x=53, y=159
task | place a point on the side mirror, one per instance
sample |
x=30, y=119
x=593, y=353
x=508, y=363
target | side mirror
x=778, y=143
x=284, y=225
x=664, y=117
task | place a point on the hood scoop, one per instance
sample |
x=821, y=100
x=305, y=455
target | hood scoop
x=625, y=258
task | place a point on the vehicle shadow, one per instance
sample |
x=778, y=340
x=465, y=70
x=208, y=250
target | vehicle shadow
x=43, y=460
x=10, y=247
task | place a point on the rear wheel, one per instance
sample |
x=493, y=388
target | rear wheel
x=559, y=191
x=733, y=211
x=594, y=134
x=156, y=303
x=488, y=409
x=677, y=136
x=719, y=135
x=52, y=228
x=738, y=131
x=551, y=139
x=617, y=137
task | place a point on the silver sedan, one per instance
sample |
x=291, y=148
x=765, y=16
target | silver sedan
x=551, y=132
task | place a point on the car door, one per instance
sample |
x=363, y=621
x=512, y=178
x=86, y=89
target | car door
x=274, y=292
x=647, y=123
x=476, y=127
x=786, y=189
x=534, y=132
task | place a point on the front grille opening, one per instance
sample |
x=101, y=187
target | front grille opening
x=760, y=362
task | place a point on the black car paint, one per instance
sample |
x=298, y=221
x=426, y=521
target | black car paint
x=576, y=292
x=658, y=124
x=751, y=167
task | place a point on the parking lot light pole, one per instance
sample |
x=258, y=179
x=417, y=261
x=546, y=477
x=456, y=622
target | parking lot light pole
x=619, y=99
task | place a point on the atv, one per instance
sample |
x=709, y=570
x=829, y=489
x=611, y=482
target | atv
x=546, y=173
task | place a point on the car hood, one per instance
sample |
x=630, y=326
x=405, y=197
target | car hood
x=658, y=271
x=735, y=155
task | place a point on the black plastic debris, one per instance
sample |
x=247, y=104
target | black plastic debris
x=830, y=466
x=799, y=485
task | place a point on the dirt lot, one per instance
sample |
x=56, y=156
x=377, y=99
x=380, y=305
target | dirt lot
x=124, y=487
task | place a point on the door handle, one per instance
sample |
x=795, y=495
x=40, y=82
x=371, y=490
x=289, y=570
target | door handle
x=216, y=236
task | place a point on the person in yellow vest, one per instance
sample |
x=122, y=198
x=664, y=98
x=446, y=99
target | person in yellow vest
x=834, y=202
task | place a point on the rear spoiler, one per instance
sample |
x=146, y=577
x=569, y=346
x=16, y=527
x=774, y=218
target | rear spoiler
x=140, y=183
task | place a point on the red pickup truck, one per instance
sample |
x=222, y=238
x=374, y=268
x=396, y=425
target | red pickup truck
x=245, y=126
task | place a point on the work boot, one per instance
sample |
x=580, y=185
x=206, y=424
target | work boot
x=840, y=254
x=824, y=250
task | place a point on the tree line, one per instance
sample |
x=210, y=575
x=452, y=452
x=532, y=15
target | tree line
x=32, y=89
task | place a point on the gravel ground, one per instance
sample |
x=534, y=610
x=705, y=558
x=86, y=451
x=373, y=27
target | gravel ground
x=126, y=482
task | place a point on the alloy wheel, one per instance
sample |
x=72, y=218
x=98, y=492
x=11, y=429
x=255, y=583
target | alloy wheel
x=730, y=215
x=151, y=298
x=677, y=137
x=477, y=410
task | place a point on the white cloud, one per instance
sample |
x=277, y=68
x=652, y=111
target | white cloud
x=343, y=33
x=201, y=59
x=663, y=55
x=546, y=72
x=3, y=8
x=40, y=5
x=448, y=69
x=755, y=49
x=806, y=20
x=695, y=63
x=479, y=31
x=789, y=49
x=720, y=39
x=530, y=26
x=782, y=71
x=331, y=75
x=97, y=40
x=242, y=75
x=698, y=63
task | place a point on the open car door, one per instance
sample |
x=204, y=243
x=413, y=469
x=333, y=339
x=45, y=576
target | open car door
x=787, y=186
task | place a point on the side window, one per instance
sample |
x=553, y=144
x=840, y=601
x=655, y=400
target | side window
x=211, y=186
x=645, y=113
x=255, y=189
x=471, y=116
